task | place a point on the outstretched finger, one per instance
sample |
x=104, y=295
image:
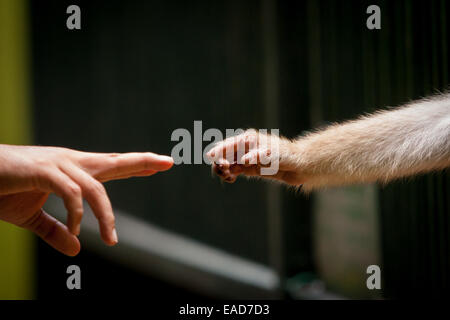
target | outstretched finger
x=145, y=173
x=114, y=166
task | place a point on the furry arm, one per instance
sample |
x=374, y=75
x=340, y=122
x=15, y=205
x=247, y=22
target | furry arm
x=386, y=145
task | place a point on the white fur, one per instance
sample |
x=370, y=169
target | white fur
x=383, y=146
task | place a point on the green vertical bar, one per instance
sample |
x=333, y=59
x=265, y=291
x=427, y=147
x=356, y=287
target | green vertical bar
x=16, y=245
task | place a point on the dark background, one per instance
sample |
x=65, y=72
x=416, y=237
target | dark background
x=137, y=70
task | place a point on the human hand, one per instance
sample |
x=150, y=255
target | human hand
x=29, y=174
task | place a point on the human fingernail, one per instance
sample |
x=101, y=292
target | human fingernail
x=166, y=158
x=114, y=236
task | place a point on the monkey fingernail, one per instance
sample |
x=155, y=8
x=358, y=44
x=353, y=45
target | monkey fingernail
x=230, y=179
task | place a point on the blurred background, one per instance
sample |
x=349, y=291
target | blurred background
x=138, y=70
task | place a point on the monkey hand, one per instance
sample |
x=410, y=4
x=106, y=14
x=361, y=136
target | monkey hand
x=255, y=154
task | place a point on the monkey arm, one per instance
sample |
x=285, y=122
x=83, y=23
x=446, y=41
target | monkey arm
x=379, y=147
x=383, y=146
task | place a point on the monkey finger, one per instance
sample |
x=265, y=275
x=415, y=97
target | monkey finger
x=223, y=163
x=257, y=156
x=221, y=170
x=251, y=141
x=230, y=179
x=226, y=149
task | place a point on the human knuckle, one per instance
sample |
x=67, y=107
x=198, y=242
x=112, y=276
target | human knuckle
x=96, y=187
x=74, y=190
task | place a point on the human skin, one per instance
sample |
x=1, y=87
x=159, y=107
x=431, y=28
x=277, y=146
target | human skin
x=29, y=174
